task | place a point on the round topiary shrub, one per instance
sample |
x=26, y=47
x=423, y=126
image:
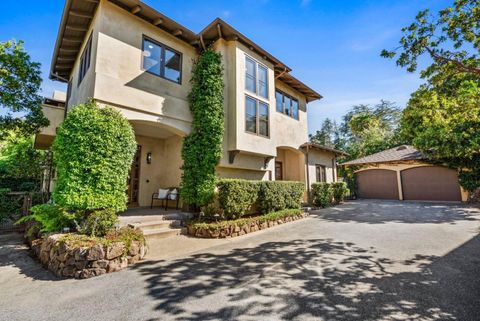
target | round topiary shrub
x=93, y=152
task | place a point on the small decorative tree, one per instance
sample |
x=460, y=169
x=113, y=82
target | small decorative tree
x=93, y=151
x=202, y=149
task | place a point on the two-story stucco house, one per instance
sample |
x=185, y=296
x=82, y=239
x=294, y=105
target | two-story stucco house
x=129, y=56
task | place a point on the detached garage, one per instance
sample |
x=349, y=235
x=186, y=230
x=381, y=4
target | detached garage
x=402, y=173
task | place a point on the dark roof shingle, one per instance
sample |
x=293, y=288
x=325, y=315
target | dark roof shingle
x=399, y=153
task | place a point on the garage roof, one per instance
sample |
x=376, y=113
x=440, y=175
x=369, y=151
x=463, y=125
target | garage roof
x=399, y=153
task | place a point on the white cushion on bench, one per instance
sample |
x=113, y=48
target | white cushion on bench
x=173, y=194
x=162, y=193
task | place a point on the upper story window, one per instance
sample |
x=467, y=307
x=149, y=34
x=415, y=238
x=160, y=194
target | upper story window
x=85, y=60
x=256, y=116
x=286, y=104
x=256, y=77
x=162, y=61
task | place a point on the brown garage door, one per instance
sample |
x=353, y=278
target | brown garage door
x=431, y=183
x=377, y=183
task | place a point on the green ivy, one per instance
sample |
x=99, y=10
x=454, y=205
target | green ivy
x=93, y=151
x=202, y=149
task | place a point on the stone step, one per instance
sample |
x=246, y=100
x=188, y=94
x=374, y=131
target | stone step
x=153, y=225
x=161, y=233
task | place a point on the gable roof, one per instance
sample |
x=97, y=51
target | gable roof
x=396, y=154
x=323, y=148
x=78, y=14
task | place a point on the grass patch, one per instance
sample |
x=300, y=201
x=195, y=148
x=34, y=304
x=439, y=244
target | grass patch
x=126, y=234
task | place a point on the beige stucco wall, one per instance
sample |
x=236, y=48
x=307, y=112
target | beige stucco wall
x=321, y=158
x=45, y=137
x=164, y=171
x=398, y=167
x=119, y=78
x=115, y=78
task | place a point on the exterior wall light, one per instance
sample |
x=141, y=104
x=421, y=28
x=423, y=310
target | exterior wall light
x=149, y=158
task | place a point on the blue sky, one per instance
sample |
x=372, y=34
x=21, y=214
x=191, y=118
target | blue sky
x=332, y=46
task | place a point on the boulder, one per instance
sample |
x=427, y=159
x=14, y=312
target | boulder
x=95, y=253
x=134, y=248
x=102, y=264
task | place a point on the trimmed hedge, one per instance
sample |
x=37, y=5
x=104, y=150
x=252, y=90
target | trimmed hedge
x=339, y=190
x=322, y=194
x=237, y=196
x=277, y=196
x=326, y=194
x=93, y=151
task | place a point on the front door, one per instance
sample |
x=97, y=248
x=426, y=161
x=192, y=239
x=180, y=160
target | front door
x=134, y=179
x=278, y=171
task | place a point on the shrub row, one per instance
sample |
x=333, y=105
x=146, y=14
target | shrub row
x=237, y=196
x=232, y=228
x=326, y=194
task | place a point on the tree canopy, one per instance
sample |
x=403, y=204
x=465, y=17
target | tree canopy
x=442, y=117
x=20, y=82
x=363, y=130
x=451, y=38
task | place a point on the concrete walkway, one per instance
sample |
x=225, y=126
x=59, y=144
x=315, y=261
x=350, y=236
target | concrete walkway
x=364, y=260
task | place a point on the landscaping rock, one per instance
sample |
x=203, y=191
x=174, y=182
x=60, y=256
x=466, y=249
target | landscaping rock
x=95, y=253
x=115, y=250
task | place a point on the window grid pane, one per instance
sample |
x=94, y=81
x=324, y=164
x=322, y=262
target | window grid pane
x=295, y=109
x=172, y=65
x=152, y=57
x=263, y=119
x=262, y=81
x=251, y=115
x=279, y=101
x=250, y=75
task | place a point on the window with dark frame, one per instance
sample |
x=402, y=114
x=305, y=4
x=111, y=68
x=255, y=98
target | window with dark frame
x=161, y=60
x=256, y=117
x=321, y=173
x=256, y=78
x=286, y=104
x=85, y=60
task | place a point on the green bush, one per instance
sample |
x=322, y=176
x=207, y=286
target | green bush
x=98, y=223
x=272, y=216
x=322, y=194
x=93, y=151
x=202, y=149
x=51, y=218
x=7, y=206
x=339, y=191
x=236, y=196
x=279, y=195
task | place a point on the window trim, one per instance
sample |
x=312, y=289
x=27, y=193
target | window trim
x=162, y=60
x=317, y=178
x=257, y=119
x=257, y=79
x=283, y=103
x=85, y=60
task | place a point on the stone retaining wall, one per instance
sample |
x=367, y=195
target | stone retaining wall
x=85, y=262
x=237, y=230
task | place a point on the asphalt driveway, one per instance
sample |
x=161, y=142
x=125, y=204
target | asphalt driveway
x=363, y=260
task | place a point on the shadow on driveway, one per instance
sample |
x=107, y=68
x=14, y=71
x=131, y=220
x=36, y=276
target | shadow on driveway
x=382, y=211
x=316, y=279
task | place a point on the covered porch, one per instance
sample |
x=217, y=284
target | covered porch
x=157, y=164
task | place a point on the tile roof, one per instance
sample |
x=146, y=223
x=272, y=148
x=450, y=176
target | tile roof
x=399, y=153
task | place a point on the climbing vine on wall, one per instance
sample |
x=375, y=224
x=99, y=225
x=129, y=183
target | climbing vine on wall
x=202, y=149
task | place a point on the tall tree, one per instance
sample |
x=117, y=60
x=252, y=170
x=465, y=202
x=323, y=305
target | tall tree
x=327, y=135
x=20, y=80
x=442, y=117
x=451, y=38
